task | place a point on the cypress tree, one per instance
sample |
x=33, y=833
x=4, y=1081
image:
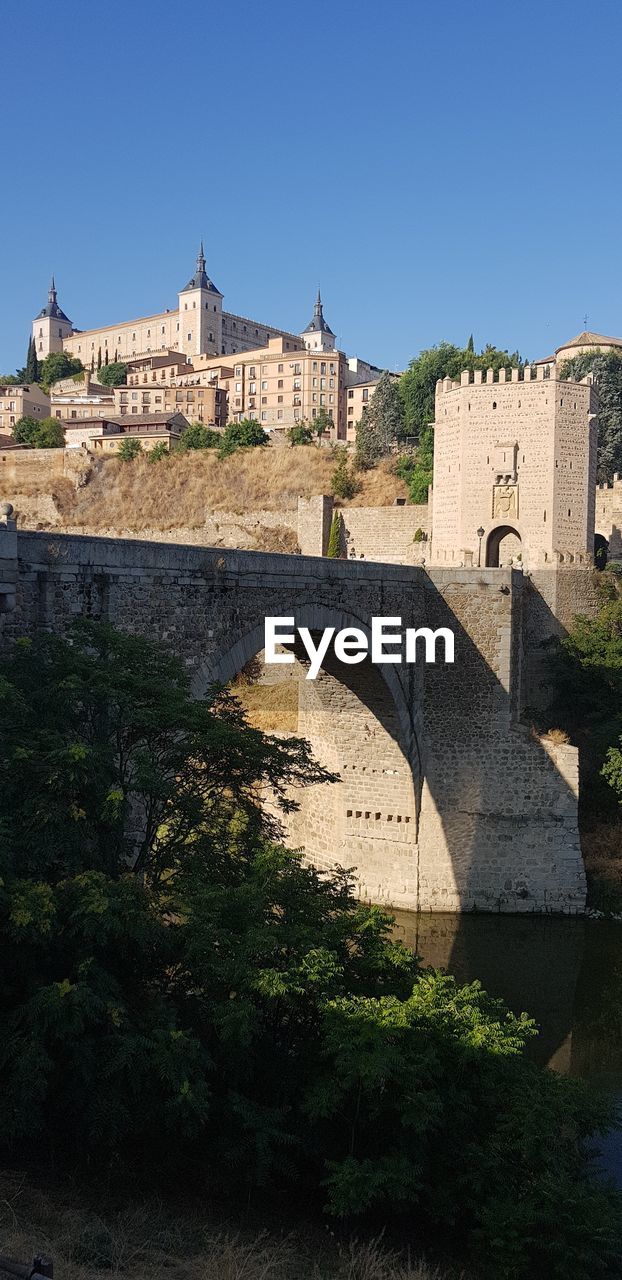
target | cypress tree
x=99, y=357
x=470, y=344
x=334, y=538
x=32, y=364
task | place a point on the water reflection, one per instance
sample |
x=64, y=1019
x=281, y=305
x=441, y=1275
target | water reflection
x=566, y=973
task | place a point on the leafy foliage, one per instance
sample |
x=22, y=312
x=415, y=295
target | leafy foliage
x=418, y=383
x=40, y=433
x=606, y=368
x=588, y=675
x=382, y=423
x=159, y=451
x=335, y=537
x=179, y=994
x=241, y=435
x=300, y=433
x=197, y=436
x=343, y=481
x=416, y=468
x=113, y=375
x=58, y=365
x=129, y=449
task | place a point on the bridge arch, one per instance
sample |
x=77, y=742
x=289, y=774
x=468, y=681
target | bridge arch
x=369, y=819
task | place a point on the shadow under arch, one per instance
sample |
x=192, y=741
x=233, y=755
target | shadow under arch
x=493, y=542
x=369, y=818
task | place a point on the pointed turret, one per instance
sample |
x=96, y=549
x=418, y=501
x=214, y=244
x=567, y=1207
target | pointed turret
x=200, y=279
x=53, y=310
x=318, y=335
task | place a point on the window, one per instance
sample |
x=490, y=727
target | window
x=264, y=386
x=323, y=383
x=238, y=386
x=238, y=370
x=279, y=399
x=264, y=415
x=189, y=337
x=365, y=395
x=251, y=372
x=279, y=413
x=332, y=382
x=279, y=368
x=322, y=399
x=252, y=388
x=323, y=367
x=314, y=366
x=298, y=369
x=314, y=383
x=264, y=399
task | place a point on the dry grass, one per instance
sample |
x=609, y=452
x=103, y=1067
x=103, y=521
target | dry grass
x=271, y=707
x=154, y=1242
x=558, y=736
x=181, y=490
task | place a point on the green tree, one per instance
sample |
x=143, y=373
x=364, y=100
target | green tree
x=241, y=435
x=382, y=423
x=50, y=434
x=416, y=468
x=129, y=449
x=321, y=425
x=99, y=358
x=113, y=375
x=40, y=433
x=470, y=346
x=335, y=537
x=418, y=383
x=58, y=365
x=26, y=429
x=197, y=436
x=606, y=369
x=300, y=433
x=587, y=669
x=343, y=482
x=179, y=991
x=159, y=451
x=32, y=364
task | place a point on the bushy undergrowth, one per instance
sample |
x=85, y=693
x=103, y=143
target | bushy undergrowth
x=180, y=996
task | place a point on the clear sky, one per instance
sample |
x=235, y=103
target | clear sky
x=440, y=169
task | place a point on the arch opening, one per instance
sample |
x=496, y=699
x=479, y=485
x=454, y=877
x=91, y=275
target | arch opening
x=358, y=721
x=502, y=547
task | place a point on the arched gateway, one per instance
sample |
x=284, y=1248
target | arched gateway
x=446, y=802
x=502, y=546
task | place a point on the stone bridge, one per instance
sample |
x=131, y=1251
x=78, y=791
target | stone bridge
x=446, y=801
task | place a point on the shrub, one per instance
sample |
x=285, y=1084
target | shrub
x=159, y=451
x=419, y=535
x=300, y=434
x=241, y=435
x=197, y=436
x=343, y=483
x=129, y=449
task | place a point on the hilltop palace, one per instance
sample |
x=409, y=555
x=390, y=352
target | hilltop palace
x=193, y=345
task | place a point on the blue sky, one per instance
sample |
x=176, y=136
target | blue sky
x=441, y=170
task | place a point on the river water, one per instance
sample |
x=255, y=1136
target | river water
x=565, y=973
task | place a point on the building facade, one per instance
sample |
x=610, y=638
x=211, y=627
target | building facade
x=22, y=401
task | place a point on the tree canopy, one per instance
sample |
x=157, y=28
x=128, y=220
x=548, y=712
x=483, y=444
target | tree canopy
x=112, y=375
x=606, y=367
x=180, y=994
x=40, y=433
x=58, y=365
x=382, y=423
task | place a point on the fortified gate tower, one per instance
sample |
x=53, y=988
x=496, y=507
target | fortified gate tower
x=514, y=470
